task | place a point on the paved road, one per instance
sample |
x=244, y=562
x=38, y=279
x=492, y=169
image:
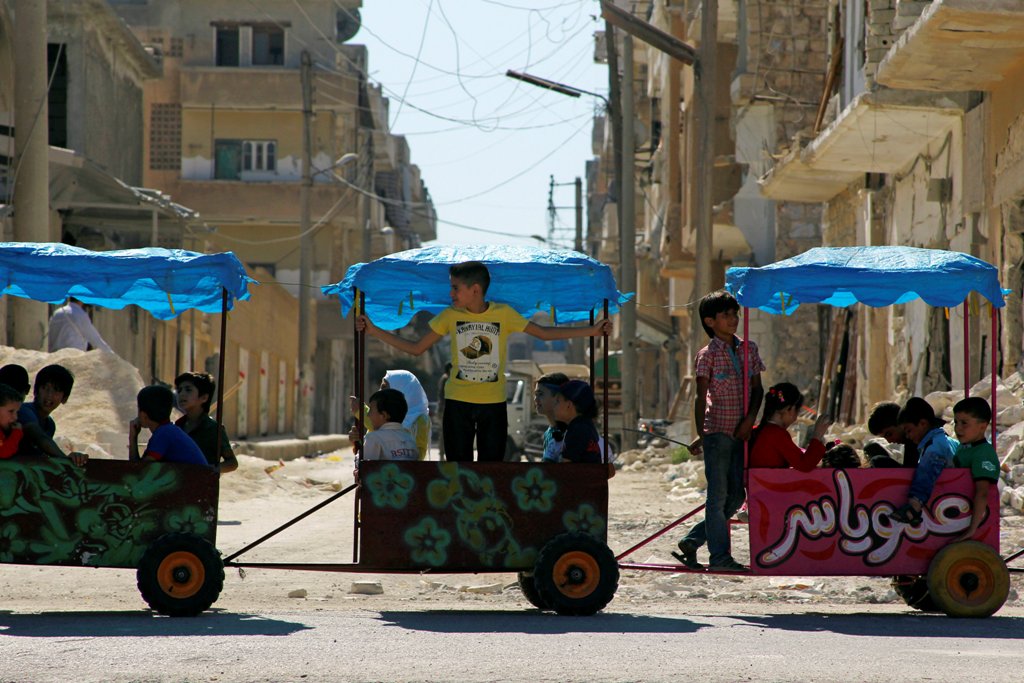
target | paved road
x=715, y=642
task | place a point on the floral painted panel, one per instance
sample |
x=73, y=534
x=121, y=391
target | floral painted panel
x=474, y=516
x=102, y=515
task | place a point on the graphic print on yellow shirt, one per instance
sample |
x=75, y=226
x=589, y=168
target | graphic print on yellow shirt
x=478, y=351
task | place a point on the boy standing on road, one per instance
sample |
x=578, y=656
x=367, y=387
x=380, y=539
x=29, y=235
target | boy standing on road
x=724, y=418
x=474, y=395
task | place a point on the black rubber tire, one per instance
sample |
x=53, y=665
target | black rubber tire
x=529, y=589
x=913, y=590
x=968, y=579
x=180, y=575
x=576, y=574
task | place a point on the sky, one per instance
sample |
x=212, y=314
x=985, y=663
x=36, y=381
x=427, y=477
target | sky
x=487, y=145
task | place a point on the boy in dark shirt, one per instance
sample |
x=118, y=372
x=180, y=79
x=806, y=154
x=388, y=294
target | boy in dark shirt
x=195, y=393
x=168, y=443
x=883, y=423
x=52, y=388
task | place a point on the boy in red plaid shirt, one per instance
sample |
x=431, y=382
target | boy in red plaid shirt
x=724, y=418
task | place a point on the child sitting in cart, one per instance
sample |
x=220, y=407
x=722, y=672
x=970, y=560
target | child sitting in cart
x=884, y=422
x=919, y=424
x=195, y=394
x=168, y=442
x=839, y=455
x=10, y=430
x=544, y=393
x=52, y=388
x=772, y=446
x=417, y=416
x=576, y=406
x=389, y=440
x=971, y=418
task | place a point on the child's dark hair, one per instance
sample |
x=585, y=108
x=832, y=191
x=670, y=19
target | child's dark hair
x=16, y=377
x=471, y=273
x=581, y=395
x=203, y=382
x=714, y=303
x=553, y=379
x=58, y=376
x=976, y=407
x=840, y=455
x=779, y=397
x=9, y=394
x=918, y=409
x=883, y=416
x=156, y=402
x=392, y=402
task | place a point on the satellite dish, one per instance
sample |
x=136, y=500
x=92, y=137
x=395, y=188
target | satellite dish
x=348, y=23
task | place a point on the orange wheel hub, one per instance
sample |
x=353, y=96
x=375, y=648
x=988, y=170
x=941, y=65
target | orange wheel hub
x=576, y=574
x=970, y=581
x=181, y=574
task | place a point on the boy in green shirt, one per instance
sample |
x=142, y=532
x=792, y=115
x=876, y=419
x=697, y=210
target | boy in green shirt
x=971, y=418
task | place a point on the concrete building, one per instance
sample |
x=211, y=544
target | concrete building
x=771, y=61
x=920, y=146
x=224, y=135
x=94, y=156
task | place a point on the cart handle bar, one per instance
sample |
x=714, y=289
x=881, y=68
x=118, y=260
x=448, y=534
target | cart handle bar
x=292, y=521
x=671, y=526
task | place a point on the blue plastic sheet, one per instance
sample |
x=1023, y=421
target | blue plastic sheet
x=398, y=286
x=876, y=276
x=164, y=282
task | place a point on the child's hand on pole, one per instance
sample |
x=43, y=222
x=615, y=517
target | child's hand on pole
x=602, y=328
x=821, y=426
x=363, y=324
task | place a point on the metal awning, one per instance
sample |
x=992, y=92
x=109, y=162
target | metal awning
x=957, y=45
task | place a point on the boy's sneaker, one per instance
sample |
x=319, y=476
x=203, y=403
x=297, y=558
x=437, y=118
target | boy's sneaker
x=687, y=555
x=727, y=565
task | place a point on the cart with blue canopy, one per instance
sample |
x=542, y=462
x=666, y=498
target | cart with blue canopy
x=836, y=521
x=157, y=518
x=548, y=523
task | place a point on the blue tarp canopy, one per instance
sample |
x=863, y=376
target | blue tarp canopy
x=565, y=284
x=164, y=282
x=876, y=276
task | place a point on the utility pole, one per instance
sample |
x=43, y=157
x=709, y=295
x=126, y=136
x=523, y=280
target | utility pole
x=366, y=183
x=706, y=68
x=627, y=252
x=31, y=152
x=303, y=408
x=578, y=245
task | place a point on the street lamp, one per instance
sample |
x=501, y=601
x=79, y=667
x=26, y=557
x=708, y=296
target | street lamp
x=624, y=180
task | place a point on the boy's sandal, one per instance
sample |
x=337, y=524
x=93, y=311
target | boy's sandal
x=906, y=514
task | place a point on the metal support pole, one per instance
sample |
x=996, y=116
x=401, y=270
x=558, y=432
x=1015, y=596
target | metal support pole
x=627, y=252
x=303, y=412
x=592, y=341
x=223, y=353
x=995, y=366
x=746, y=391
x=604, y=383
x=967, y=347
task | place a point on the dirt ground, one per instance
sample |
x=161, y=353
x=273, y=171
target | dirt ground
x=254, y=501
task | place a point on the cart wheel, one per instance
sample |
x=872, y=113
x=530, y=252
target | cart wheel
x=180, y=575
x=968, y=579
x=529, y=588
x=913, y=590
x=576, y=574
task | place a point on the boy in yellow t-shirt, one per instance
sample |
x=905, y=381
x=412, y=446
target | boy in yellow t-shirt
x=475, y=391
